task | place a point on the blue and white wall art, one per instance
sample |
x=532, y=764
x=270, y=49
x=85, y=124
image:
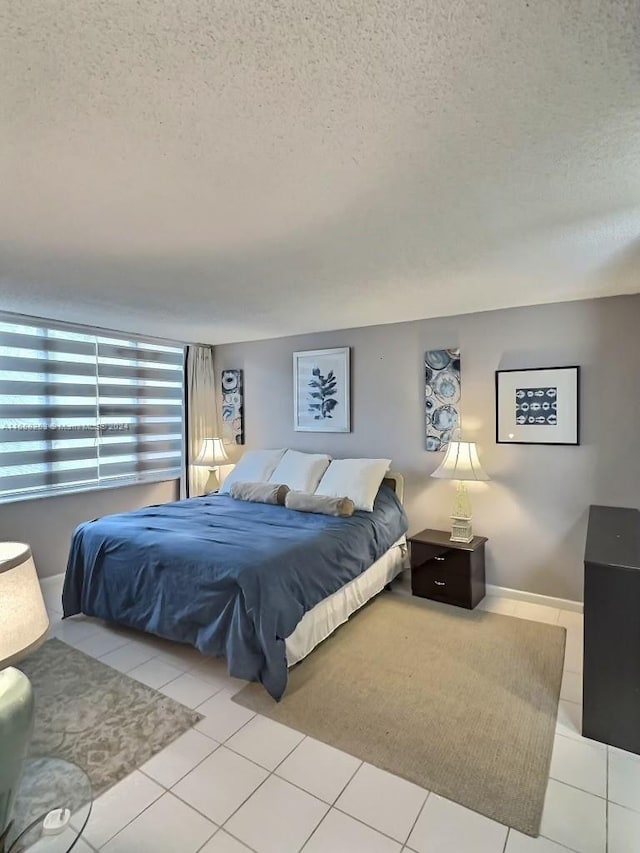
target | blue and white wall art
x=232, y=407
x=538, y=405
x=442, y=396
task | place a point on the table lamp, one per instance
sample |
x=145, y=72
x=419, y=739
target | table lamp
x=23, y=627
x=461, y=463
x=212, y=455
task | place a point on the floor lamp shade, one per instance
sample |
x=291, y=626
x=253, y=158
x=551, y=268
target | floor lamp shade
x=23, y=616
x=23, y=626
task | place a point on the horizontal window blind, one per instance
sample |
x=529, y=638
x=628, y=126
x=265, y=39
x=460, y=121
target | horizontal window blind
x=79, y=409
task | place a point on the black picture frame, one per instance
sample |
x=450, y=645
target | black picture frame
x=529, y=370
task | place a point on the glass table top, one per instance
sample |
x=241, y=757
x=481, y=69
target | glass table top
x=47, y=784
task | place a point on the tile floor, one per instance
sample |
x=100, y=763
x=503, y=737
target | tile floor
x=239, y=782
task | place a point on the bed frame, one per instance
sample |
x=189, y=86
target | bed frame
x=396, y=482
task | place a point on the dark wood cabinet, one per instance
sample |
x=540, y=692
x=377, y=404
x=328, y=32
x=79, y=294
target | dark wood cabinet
x=611, y=680
x=451, y=572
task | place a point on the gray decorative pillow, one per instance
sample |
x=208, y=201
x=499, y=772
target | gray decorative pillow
x=264, y=493
x=322, y=504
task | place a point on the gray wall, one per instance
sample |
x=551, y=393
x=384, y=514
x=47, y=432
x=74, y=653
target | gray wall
x=47, y=523
x=534, y=510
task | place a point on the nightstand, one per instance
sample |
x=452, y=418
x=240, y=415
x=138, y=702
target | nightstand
x=451, y=572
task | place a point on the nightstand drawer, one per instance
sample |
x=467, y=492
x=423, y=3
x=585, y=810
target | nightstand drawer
x=452, y=572
x=431, y=580
x=447, y=559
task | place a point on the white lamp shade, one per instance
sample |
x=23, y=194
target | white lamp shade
x=23, y=616
x=211, y=453
x=461, y=463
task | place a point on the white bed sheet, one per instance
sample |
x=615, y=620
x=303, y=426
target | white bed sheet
x=323, y=619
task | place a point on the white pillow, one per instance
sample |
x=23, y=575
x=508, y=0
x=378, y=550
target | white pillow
x=358, y=479
x=255, y=466
x=301, y=471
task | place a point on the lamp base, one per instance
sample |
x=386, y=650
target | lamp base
x=461, y=530
x=16, y=726
x=213, y=483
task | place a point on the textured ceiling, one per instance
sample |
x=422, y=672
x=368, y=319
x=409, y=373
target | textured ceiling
x=221, y=170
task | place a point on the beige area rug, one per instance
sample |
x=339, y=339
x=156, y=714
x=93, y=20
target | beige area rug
x=462, y=703
x=96, y=717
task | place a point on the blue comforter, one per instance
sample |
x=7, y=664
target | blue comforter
x=230, y=577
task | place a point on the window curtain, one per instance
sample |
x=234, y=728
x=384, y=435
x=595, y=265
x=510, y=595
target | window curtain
x=81, y=408
x=201, y=416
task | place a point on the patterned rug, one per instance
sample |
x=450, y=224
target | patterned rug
x=96, y=717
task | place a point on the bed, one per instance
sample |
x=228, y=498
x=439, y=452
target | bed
x=260, y=584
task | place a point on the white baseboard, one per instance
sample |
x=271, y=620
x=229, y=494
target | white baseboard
x=535, y=598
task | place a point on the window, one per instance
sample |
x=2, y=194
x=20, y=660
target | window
x=79, y=409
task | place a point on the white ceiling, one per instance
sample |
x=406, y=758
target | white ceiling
x=221, y=170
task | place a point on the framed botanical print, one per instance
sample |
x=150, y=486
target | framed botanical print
x=538, y=406
x=321, y=390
